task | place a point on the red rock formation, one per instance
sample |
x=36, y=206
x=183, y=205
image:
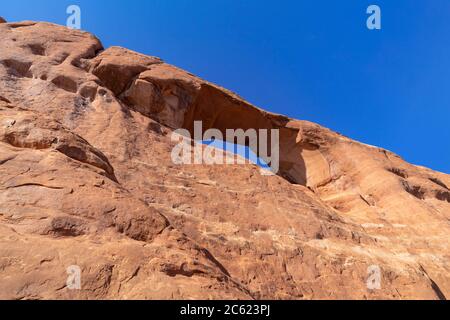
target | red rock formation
x=86, y=179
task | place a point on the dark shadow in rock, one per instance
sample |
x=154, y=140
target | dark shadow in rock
x=439, y=183
x=65, y=83
x=17, y=68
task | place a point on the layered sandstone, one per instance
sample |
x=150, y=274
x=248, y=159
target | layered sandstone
x=87, y=179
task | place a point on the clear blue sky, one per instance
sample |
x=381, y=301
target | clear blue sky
x=312, y=60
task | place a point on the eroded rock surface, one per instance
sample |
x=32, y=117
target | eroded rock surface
x=86, y=179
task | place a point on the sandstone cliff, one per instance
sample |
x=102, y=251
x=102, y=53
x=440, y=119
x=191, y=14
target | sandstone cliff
x=86, y=179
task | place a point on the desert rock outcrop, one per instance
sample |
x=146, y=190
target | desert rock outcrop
x=86, y=179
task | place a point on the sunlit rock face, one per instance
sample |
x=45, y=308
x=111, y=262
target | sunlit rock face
x=87, y=180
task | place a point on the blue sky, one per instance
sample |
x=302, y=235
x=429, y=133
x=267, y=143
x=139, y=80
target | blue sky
x=312, y=60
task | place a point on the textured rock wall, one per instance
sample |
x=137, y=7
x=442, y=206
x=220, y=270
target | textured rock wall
x=86, y=179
